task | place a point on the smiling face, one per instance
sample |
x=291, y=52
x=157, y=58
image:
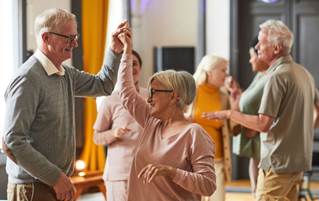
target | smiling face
x=159, y=99
x=58, y=48
x=265, y=48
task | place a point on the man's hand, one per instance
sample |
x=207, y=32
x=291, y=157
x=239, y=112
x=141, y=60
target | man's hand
x=7, y=151
x=224, y=114
x=149, y=172
x=116, y=45
x=64, y=189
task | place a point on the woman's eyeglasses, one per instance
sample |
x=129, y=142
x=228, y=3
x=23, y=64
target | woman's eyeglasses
x=151, y=91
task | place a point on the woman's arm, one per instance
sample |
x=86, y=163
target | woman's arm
x=107, y=137
x=104, y=133
x=201, y=180
x=131, y=100
x=234, y=91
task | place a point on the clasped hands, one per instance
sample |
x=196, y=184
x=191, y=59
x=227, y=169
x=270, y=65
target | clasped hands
x=121, y=37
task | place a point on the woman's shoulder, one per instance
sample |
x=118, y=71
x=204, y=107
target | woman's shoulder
x=199, y=136
x=196, y=130
x=194, y=126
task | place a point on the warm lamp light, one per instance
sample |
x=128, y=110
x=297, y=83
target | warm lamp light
x=80, y=165
x=82, y=174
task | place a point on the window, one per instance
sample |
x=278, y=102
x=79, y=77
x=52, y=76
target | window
x=9, y=47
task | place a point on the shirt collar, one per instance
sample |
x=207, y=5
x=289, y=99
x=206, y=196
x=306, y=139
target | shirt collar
x=47, y=64
x=279, y=62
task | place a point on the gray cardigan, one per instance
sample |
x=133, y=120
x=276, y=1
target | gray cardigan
x=40, y=122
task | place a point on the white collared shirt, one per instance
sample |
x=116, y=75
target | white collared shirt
x=47, y=64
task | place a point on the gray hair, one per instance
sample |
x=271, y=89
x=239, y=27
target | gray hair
x=51, y=20
x=208, y=63
x=278, y=34
x=181, y=82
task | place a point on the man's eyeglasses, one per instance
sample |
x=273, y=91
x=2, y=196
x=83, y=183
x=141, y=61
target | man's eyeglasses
x=151, y=91
x=69, y=38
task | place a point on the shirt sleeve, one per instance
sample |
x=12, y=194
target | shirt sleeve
x=202, y=180
x=130, y=98
x=22, y=100
x=103, y=83
x=273, y=95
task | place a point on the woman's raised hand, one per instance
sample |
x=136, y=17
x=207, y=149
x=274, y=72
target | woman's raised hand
x=126, y=38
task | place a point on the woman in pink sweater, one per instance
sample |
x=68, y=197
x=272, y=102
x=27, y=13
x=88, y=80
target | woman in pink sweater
x=174, y=158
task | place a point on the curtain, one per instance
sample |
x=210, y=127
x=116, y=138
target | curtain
x=94, y=23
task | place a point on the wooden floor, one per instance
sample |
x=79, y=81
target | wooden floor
x=244, y=195
x=239, y=196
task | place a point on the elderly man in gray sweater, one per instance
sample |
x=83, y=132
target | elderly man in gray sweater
x=40, y=124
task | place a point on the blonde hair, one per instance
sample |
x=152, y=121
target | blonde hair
x=181, y=82
x=208, y=63
x=278, y=33
x=51, y=20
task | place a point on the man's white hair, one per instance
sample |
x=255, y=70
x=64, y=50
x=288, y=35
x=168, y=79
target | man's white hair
x=50, y=20
x=278, y=34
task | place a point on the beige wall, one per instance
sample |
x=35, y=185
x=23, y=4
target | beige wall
x=163, y=23
x=174, y=23
x=217, y=27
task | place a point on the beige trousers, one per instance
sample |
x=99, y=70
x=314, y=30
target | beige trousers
x=278, y=187
x=30, y=192
x=116, y=190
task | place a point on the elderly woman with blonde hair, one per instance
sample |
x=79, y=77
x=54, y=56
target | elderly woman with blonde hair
x=211, y=96
x=174, y=158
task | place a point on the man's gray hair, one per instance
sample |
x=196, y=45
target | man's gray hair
x=50, y=20
x=181, y=82
x=278, y=34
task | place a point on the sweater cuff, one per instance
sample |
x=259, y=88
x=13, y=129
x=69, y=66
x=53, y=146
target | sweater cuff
x=126, y=57
x=178, y=176
x=52, y=177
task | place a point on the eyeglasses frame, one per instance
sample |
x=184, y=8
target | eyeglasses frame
x=69, y=38
x=151, y=91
